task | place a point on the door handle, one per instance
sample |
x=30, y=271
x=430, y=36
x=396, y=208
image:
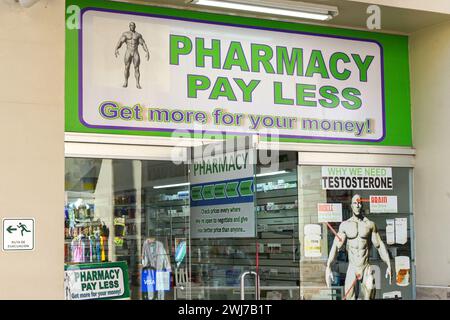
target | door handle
x=243, y=275
x=257, y=284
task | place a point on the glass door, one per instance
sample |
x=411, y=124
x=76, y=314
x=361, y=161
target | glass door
x=223, y=247
x=277, y=220
x=261, y=264
x=357, y=234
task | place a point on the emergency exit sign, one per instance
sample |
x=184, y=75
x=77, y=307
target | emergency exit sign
x=18, y=234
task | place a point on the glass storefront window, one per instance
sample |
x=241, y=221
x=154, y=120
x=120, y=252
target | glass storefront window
x=138, y=212
x=131, y=211
x=313, y=240
x=368, y=230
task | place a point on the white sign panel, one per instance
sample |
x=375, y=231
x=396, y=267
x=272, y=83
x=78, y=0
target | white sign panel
x=397, y=231
x=222, y=196
x=357, y=178
x=392, y=295
x=329, y=212
x=390, y=231
x=313, y=240
x=402, y=270
x=221, y=78
x=18, y=234
x=383, y=204
x=401, y=230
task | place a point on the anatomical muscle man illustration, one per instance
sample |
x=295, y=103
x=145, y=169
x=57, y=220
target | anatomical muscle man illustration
x=358, y=234
x=133, y=39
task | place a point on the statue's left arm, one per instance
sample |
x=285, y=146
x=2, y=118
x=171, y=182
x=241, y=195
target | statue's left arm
x=122, y=40
x=144, y=45
x=382, y=250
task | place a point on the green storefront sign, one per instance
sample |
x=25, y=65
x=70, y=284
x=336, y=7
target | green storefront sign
x=142, y=70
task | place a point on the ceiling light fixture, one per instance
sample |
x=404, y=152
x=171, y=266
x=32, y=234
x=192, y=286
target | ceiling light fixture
x=172, y=185
x=301, y=10
x=26, y=3
x=274, y=173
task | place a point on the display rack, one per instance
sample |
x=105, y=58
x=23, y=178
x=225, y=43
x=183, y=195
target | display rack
x=166, y=212
x=80, y=220
x=218, y=263
x=125, y=234
x=277, y=226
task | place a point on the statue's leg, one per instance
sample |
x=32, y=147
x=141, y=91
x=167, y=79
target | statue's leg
x=368, y=284
x=137, y=74
x=128, y=59
x=350, y=283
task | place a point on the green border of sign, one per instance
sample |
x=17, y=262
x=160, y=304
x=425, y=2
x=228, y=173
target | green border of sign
x=119, y=264
x=396, y=70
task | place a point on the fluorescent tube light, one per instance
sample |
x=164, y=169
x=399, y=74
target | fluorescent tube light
x=27, y=3
x=275, y=173
x=187, y=183
x=172, y=185
x=283, y=8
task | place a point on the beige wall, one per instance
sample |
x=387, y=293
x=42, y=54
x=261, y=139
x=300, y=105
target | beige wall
x=32, y=156
x=430, y=90
x=31, y=140
x=440, y=6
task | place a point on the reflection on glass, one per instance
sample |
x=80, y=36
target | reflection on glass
x=218, y=264
x=138, y=212
x=119, y=210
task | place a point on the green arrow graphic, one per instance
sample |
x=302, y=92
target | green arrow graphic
x=232, y=189
x=245, y=188
x=208, y=192
x=10, y=229
x=219, y=191
x=196, y=193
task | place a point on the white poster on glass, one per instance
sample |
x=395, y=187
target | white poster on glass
x=357, y=178
x=383, y=204
x=329, y=212
x=401, y=230
x=390, y=231
x=402, y=270
x=313, y=241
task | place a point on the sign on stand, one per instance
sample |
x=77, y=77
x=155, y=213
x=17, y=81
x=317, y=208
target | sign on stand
x=96, y=281
x=18, y=234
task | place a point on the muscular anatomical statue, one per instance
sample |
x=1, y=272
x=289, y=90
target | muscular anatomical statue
x=133, y=40
x=358, y=234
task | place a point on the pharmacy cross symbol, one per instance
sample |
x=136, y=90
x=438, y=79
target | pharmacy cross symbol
x=22, y=227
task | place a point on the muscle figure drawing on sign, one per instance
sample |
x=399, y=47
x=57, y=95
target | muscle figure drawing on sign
x=133, y=39
x=357, y=234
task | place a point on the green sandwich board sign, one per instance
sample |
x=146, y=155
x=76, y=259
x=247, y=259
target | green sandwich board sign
x=142, y=70
x=96, y=281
